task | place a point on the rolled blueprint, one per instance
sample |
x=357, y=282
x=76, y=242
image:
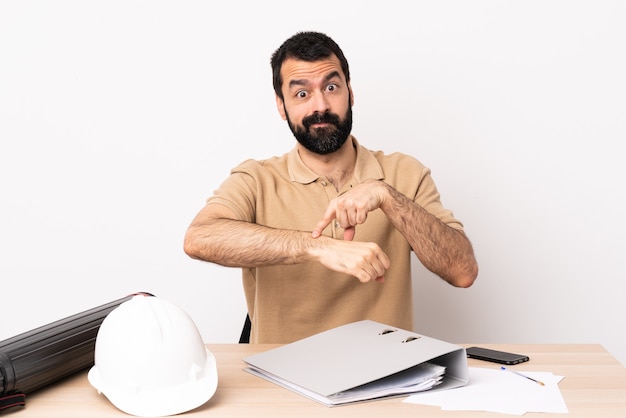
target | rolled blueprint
x=44, y=355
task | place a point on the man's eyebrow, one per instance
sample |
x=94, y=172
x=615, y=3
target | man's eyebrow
x=298, y=83
x=332, y=75
x=304, y=82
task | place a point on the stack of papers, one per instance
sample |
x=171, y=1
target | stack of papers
x=500, y=391
x=415, y=379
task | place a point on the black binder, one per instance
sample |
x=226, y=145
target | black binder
x=44, y=355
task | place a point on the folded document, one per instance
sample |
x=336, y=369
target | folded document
x=362, y=361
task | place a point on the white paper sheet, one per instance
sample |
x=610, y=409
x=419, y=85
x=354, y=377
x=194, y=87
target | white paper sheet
x=418, y=378
x=500, y=391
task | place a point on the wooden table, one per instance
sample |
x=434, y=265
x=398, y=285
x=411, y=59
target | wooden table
x=594, y=386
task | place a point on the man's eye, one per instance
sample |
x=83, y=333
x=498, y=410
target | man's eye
x=301, y=94
x=331, y=87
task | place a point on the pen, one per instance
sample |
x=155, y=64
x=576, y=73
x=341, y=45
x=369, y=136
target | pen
x=523, y=375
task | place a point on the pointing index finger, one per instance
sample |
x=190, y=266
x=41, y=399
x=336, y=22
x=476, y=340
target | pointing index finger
x=329, y=215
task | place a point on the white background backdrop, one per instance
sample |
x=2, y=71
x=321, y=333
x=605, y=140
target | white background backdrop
x=118, y=118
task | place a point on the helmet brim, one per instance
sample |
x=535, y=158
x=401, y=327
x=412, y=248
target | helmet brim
x=162, y=402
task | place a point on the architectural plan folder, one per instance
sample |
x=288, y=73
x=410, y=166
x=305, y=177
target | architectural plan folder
x=362, y=361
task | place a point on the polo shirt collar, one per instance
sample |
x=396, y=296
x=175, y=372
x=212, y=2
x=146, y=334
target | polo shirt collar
x=367, y=167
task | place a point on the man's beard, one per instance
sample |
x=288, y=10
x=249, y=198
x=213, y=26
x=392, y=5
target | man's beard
x=323, y=140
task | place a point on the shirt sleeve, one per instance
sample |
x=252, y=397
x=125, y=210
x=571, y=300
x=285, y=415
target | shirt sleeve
x=428, y=197
x=238, y=191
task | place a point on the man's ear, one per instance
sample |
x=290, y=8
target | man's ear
x=280, y=105
x=351, y=95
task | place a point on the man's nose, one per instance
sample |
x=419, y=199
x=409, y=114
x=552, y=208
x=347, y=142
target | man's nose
x=319, y=103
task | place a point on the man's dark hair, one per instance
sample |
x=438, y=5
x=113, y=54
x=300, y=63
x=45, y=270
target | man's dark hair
x=306, y=46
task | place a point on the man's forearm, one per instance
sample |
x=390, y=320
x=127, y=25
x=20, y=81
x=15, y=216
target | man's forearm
x=234, y=243
x=442, y=249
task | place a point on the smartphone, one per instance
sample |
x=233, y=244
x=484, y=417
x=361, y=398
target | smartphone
x=495, y=356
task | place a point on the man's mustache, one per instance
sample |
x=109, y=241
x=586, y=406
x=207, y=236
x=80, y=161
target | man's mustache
x=317, y=117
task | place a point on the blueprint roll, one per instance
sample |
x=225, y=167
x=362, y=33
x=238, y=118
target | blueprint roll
x=44, y=355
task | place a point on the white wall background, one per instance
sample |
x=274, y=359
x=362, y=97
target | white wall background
x=118, y=118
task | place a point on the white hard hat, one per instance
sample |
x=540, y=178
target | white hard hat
x=150, y=359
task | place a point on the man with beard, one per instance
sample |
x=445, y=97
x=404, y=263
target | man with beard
x=324, y=233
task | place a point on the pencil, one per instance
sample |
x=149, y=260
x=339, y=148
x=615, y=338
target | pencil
x=523, y=375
